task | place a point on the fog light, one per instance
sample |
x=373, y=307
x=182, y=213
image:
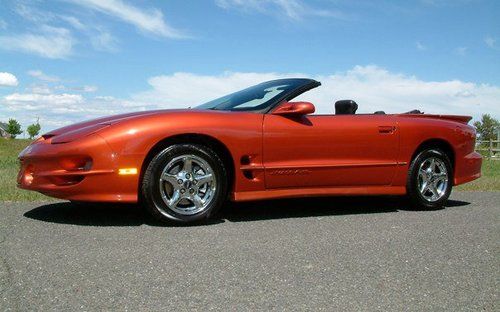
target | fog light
x=28, y=175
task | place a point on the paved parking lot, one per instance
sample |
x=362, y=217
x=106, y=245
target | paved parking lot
x=317, y=254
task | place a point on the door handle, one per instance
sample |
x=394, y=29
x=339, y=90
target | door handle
x=386, y=129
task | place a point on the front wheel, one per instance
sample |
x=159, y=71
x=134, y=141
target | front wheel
x=430, y=179
x=185, y=183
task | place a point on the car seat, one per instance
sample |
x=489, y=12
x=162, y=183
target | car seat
x=345, y=107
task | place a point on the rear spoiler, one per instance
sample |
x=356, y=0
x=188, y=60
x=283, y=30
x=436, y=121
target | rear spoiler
x=457, y=118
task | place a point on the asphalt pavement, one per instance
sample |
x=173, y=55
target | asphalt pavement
x=323, y=254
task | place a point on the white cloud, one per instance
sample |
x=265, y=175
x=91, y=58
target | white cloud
x=99, y=37
x=39, y=89
x=491, y=42
x=32, y=13
x=88, y=89
x=372, y=87
x=104, y=41
x=3, y=24
x=420, y=46
x=8, y=80
x=292, y=9
x=49, y=42
x=150, y=21
x=73, y=21
x=17, y=101
x=43, y=77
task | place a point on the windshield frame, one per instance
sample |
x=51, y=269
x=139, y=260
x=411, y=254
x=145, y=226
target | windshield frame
x=302, y=85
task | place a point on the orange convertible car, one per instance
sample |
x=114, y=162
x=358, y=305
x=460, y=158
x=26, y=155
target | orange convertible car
x=252, y=144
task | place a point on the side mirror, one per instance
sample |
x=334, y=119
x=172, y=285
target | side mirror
x=294, y=109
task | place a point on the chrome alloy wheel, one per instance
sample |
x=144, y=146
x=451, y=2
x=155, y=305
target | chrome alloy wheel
x=432, y=179
x=187, y=184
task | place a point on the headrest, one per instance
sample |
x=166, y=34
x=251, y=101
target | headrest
x=345, y=107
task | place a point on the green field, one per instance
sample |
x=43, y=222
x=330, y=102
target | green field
x=9, y=149
x=9, y=166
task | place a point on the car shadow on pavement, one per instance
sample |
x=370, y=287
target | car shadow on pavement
x=320, y=206
x=134, y=215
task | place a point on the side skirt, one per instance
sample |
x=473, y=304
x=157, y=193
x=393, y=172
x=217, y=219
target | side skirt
x=324, y=191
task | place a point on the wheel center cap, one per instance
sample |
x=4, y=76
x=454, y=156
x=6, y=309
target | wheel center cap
x=188, y=184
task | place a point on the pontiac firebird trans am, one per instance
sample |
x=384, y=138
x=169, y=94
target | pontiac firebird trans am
x=254, y=144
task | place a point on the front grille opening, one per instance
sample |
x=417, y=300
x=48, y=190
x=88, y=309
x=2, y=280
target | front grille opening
x=66, y=180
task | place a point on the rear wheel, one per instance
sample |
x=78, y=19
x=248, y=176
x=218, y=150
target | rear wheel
x=430, y=179
x=185, y=183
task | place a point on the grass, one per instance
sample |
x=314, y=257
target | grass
x=9, y=167
x=9, y=149
x=490, y=180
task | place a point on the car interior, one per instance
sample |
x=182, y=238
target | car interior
x=349, y=107
x=345, y=107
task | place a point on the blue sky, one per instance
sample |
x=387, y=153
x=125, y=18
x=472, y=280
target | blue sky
x=64, y=61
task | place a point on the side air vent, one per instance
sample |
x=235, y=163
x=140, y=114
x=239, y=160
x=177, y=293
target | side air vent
x=245, y=160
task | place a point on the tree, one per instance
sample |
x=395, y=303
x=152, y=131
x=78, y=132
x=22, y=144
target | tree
x=13, y=128
x=33, y=130
x=487, y=127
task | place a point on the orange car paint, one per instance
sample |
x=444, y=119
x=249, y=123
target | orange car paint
x=273, y=155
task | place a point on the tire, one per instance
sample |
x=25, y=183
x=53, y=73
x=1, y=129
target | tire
x=430, y=179
x=185, y=183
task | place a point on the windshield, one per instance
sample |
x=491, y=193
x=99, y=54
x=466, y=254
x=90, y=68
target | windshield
x=256, y=98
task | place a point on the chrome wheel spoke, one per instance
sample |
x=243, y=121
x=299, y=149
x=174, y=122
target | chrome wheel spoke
x=170, y=178
x=197, y=201
x=187, y=165
x=175, y=199
x=423, y=187
x=207, y=178
x=440, y=175
x=442, y=179
x=433, y=190
x=422, y=173
x=432, y=165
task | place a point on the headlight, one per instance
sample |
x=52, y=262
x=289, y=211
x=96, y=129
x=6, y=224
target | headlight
x=77, y=134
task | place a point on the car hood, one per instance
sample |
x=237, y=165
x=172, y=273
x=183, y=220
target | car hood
x=82, y=129
x=109, y=120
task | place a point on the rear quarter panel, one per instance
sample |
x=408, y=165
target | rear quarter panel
x=416, y=131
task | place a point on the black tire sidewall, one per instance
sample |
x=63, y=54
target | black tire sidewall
x=150, y=183
x=417, y=200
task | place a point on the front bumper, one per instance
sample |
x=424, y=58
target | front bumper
x=83, y=170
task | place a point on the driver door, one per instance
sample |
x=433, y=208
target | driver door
x=329, y=150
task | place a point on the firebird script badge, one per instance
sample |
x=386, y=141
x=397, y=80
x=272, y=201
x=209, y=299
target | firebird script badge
x=290, y=172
